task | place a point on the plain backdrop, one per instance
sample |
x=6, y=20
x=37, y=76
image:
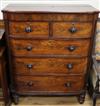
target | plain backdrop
x=3, y=3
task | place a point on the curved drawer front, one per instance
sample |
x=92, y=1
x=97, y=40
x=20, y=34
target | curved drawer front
x=29, y=29
x=49, y=47
x=72, y=30
x=50, y=17
x=42, y=66
x=48, y=84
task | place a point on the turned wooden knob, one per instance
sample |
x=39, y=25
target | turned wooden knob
x=71, y=48
x=69, y=66
x=73, y=29
x=29, y=48
x=68, y=84
x=28, y=29
x=30, y=83
x=29, y=66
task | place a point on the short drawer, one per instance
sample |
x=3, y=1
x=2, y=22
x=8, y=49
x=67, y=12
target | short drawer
x=49, y=47
x=59, y=84
x=50, y=66
x=29, y=29
x=72, y=30
x=50, y=17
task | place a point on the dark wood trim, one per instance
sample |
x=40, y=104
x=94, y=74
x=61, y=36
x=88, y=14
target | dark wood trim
x=49, y=56
x=48, y=94
x=49, y=21
x=46, y=38
x=8, y=58
x=4, y=81
x=50, y=32
x=90, y=59
x=54, y=74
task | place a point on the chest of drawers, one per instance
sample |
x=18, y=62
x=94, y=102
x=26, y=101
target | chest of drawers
x=49, y=48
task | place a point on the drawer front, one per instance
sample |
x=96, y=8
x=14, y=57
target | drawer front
x=42, y=66
x=72, y=30
x=29, y=29
x=49, y=84
x=51, y=47
x=50, y=17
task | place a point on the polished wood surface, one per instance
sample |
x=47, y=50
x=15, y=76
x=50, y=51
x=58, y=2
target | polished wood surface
x=49, y=66
x=63, y=30
x=48, y=84
x=49, y=47
x=59, y=29
x=49, y=17
x=29, y=29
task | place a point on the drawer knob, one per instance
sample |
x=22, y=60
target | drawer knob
x=68, y=84
x=30, y=83
x=29, y=48
x=28, y=29
x=73, y=29
x=69, y=66
x=71, y=48
x=29, y=66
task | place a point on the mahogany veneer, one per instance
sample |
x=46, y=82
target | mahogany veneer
x=50, y=48
x=48, y=66
x=53, y=47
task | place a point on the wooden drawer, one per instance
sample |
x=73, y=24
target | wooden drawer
x=51, y=66
x=29, y=29
x=51, y=47
x=60, y=84
x=72, y=30
x=50, y=17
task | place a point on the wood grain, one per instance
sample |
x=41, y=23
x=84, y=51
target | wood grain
x=49, y=66
x=50, y=17
x=48, y=84
x=52, y=47
x=48, y=24
x=62, y=30
x=37, y=29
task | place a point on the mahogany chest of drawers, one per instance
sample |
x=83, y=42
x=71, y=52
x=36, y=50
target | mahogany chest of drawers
x=49, y=48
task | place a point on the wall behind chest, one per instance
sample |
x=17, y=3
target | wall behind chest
x=3, y=3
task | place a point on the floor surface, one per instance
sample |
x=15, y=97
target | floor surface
x=54, y=101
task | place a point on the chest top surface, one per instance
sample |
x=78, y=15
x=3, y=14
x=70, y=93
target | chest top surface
x=74, y=8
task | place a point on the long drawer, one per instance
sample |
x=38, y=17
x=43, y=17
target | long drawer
x=50, y=66
x=49, y=47
x=53, y=84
